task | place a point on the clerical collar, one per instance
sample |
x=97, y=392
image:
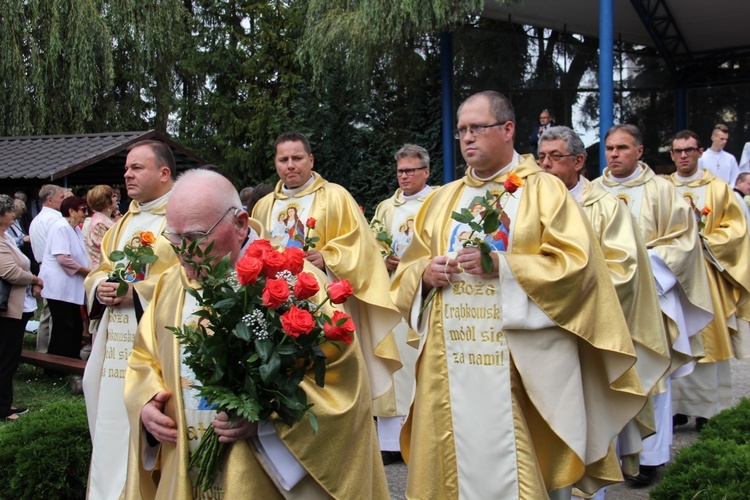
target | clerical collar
x=425, y=191
x=742, y=195
x=638, y=170
x=697, y=175
x=577, y=190
x=148, y=206
x=251, y=236
x=291, y=192
x=507, y=168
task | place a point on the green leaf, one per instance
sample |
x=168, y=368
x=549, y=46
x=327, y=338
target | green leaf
x=491, y=224
x=122, y=288
x=148, y=259
x=264, y=348
x=313, y=421
x=269, y=370
x=487, y=264
x=242, y=331
x=464, y=217
x=117, y=255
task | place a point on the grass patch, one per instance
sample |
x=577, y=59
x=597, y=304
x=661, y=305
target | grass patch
x=35, y=390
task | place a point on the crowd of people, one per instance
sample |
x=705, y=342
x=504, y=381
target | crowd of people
x=545, y=354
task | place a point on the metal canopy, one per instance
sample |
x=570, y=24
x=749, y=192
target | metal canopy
x=693, y=36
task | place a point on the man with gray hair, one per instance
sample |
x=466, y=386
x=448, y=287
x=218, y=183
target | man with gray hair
x=562, y=154
x=50, y=197
x=395, y=216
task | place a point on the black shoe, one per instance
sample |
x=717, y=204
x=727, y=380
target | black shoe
x=391, y=457
x=699, y=423
x=18, y=411
x=646, y=475
x=679, y=419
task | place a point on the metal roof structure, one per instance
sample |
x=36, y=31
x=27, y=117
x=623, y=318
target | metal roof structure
x=694, y=37
x=76, y=160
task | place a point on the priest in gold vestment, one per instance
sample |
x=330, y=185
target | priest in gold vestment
x=396, y=215
x=561, y=153
x=341, y=461
x=669, y=231
x=723, y=231
x=512, y=362
x=303, y=203
x=149, y=171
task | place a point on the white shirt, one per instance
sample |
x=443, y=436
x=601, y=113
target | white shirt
x=58, y=284
x=39, y=229
x=722, y=164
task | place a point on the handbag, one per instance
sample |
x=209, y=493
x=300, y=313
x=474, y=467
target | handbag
x=5, y=289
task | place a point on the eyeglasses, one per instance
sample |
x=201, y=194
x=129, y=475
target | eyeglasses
x=176, y=238
x=687, y=151
x=474, y=130
x=409, y=172
x=552, y=156
x=85, y=210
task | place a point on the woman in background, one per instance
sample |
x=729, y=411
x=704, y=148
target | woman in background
x=103, y=202
x=64, y=267
x=14, y=269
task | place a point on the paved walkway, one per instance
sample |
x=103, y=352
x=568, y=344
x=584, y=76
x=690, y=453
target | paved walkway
x=683, y=436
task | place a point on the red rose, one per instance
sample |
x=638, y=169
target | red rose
x=295, y=260
x=706, y=211
x=340, y=332
x=339, y=291
x=248, y=269
x=306, y=286
x=258, y=248
x=512, y=183
x=275, y=293
x=310, y=223
x=273, y=263
x=296, y=322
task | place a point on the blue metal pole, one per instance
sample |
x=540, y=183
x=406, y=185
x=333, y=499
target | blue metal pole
x=446, y=77
x=606, y=74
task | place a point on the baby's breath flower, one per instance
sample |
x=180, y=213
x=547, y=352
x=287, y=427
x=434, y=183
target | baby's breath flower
x=234, y=282
x=257, y=323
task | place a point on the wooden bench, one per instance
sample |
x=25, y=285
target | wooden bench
x=53, y=362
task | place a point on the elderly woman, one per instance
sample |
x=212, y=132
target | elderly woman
x=14, y=269
x=103, y=202
x=64, y=267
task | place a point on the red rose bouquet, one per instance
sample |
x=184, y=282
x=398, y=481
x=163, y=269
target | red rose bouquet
x=260, y=331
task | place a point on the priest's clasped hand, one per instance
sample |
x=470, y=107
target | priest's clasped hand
x=229, y=432
x=156, y=423
x=470, y=260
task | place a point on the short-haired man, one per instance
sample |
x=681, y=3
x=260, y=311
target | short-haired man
x=303, y=203
x=487, y=418
x=723, y=232
x=546, y=120
x=397, y=216
x=742, y=192
x=669, y=231
x=50, y=197
x=720, y=163
x=340, y=461
x=562, y=154
x=149, y=172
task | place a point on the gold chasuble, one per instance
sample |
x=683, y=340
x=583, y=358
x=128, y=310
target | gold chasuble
x=669, y=231
x=727, y=250
x=630, y=268
x=342, y=460
x=523, y=380
x=397, y=215
x=104, y=377
x=350, y=252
